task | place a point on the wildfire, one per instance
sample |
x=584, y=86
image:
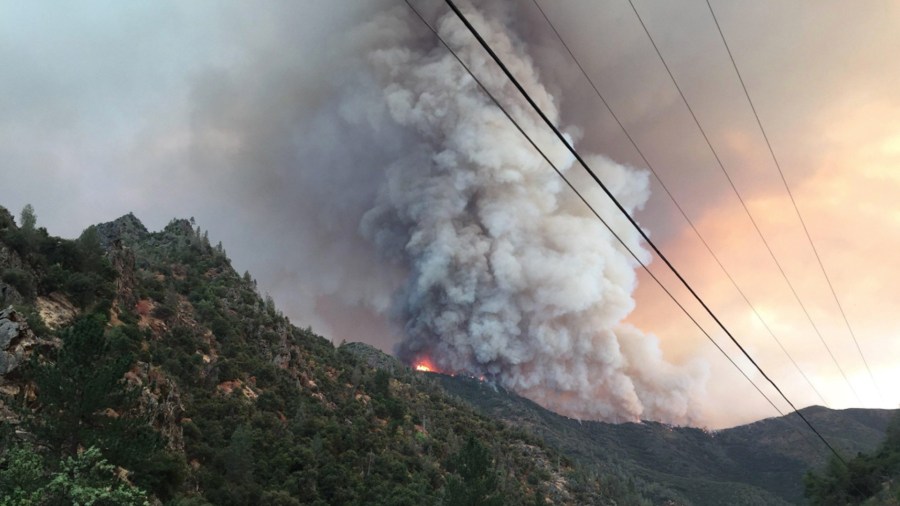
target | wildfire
x=425, y=364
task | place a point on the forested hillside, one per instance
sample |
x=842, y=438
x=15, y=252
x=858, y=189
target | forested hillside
x=138, y=367
x=760, y=463
x=869, y=478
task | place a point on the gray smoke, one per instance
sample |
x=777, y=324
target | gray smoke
x=281, y=128
x=390, y=201
x=509, y=274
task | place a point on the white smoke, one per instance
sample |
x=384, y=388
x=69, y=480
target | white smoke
x=510, y=275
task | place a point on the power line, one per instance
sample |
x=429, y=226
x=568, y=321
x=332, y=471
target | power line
x=675, y=202
x=791, y=195
x=744, y=204
x=571, y=186
x=643, y=234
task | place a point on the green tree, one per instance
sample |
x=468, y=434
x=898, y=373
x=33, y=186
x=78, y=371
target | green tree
x=82, y=396
x=239, y=455
x=474, y=482
x=28, y=218
x=860, y=478
x=21, y=477
x=86, y=479
x=84, y=400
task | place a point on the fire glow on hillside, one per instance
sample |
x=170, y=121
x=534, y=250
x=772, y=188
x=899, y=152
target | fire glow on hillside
x=424, y=364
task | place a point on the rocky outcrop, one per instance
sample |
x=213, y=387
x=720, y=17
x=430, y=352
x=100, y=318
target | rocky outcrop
x=13, y=329
x=10, y=261
x=160, y=399
x=17, y=342
x=126, y=229
x=56, y=310
x=116, y=238
x=180, y=227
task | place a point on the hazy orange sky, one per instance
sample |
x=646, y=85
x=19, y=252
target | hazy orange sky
x=208, y=109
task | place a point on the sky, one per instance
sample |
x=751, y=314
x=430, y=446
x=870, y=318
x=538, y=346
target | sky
x=266, y=123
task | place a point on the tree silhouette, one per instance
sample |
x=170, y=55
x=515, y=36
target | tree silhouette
x=474, y=482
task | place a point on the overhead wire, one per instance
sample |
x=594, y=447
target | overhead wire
x=792, y=199
x=584, y=200
x=744, y=204
x=675, y=202
x=643, y=234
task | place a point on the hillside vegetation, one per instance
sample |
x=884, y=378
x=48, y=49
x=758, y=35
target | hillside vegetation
x=872, y=479
x=762, y=463
x=138, y=367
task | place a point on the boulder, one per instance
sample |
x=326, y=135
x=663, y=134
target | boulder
x=9, y=327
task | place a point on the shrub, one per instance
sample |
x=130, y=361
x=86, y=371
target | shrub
x=21, y=281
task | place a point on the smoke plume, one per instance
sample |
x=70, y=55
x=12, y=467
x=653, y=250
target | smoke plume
x=509, y=274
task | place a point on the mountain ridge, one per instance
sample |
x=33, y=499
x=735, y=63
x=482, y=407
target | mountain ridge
x=250, y=408
x=769, y=454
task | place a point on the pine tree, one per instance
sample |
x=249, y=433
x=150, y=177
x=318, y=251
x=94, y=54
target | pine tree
x=28, y=218
x=475, y=480
x=84, y=400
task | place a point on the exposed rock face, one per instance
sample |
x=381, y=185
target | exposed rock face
x=17, y=342
x=227, y=387
x=9, y=327
x=114, y=238
x=127, y=229
x=12, y=327
x=10, y=260
x=9, y=295
x=56, y=310
x=160, y=398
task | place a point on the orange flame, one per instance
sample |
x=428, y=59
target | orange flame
x=425, y=364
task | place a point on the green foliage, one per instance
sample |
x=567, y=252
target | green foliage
x=21, y=477
x=859, y=478
x=475, y=480
x=34, y=320
x=83, y=479
x=78, y=268
x=84, y=401
x=22, y=281
x=272, y=414
x=28, y=218
x=79, y=388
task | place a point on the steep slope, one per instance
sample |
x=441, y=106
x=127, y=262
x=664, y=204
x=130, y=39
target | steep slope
x=202, y=392
x=760, y=463
x=241, y=406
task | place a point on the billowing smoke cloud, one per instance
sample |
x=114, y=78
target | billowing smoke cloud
x=509, y=274
x=353, y=166
x=271, y=127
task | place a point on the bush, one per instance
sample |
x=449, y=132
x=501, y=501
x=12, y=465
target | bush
x=21, y=281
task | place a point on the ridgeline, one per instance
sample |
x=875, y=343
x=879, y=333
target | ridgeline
x=139, y=367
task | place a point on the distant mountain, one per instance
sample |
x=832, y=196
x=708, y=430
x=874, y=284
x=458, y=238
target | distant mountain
x=760, y=463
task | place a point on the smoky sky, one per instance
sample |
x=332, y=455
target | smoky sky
x=228, y=111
